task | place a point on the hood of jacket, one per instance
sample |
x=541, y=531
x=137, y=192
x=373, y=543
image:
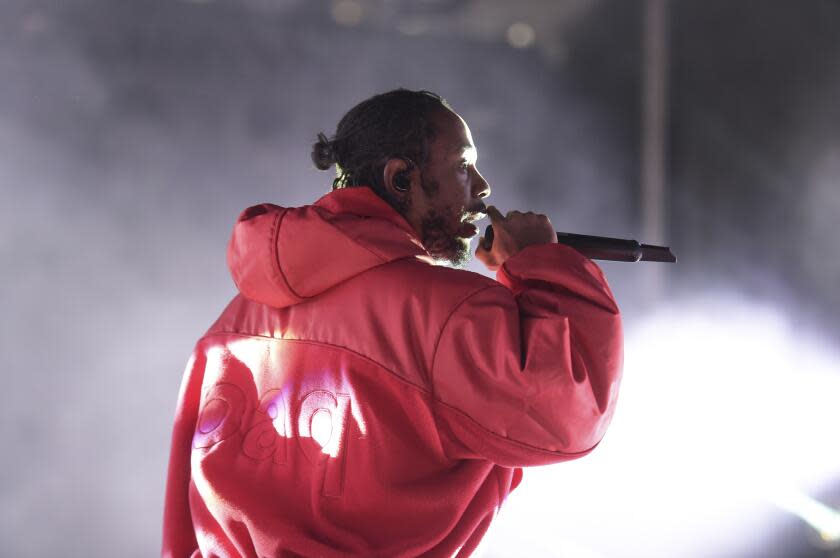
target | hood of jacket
x=312, y=248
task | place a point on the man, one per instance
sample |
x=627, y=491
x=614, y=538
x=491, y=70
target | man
x=358, y=400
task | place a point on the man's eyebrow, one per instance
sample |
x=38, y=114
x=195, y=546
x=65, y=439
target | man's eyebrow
x=460, y=149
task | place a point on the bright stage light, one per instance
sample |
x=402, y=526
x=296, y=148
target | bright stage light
x=725, y=408
x=521, y=35
x=347, y=12
x=824, y=520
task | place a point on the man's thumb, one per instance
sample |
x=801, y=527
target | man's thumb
x=494, y=214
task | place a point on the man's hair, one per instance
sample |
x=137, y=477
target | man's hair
x=398, y=123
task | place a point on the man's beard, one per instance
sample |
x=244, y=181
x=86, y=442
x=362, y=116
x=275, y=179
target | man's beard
x=443, y=244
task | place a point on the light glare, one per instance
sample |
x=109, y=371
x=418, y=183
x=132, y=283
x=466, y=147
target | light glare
x=521, y=35
x=723, y=402
x=824, y=520
x=347, y=12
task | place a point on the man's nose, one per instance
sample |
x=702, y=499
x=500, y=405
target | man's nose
x=479, y=186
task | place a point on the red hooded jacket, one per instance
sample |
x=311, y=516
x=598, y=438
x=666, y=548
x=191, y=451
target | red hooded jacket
x=357, y=400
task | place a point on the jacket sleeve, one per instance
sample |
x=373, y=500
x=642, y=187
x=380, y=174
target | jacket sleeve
x=527, y=372
x=179, y=539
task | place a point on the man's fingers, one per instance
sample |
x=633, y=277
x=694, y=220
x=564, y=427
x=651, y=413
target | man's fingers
x=508, y=234
x=494, y=214
x=485, y=257
x=481, y=252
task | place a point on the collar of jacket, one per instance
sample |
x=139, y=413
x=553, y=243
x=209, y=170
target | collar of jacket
x=360, y=214
x=362, y=201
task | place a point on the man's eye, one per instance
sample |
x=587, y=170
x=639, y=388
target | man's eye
x=465, y=165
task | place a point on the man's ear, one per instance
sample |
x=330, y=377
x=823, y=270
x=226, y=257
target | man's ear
x=400, y=176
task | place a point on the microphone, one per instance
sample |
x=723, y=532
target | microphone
x=605, y=248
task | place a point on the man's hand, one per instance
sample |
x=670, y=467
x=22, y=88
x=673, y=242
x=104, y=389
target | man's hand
x=512, y=233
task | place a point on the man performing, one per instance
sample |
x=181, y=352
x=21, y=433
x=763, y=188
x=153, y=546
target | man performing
x=357, y=399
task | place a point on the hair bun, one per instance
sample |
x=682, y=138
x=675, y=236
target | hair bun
x=322, y=153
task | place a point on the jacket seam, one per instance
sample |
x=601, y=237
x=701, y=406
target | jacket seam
x=435, y=351
x=326, y=344
x=433, y=399
x=446, y=323
x=511, y=440
x=273, y=238
x=466, y=415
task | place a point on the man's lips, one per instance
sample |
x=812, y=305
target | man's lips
x=467, y=230
x=476, y=214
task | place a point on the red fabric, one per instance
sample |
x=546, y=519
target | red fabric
x=356, y=400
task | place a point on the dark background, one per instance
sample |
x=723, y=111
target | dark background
x=132, y=133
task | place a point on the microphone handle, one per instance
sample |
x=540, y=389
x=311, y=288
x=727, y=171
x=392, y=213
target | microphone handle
x=606, y=248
